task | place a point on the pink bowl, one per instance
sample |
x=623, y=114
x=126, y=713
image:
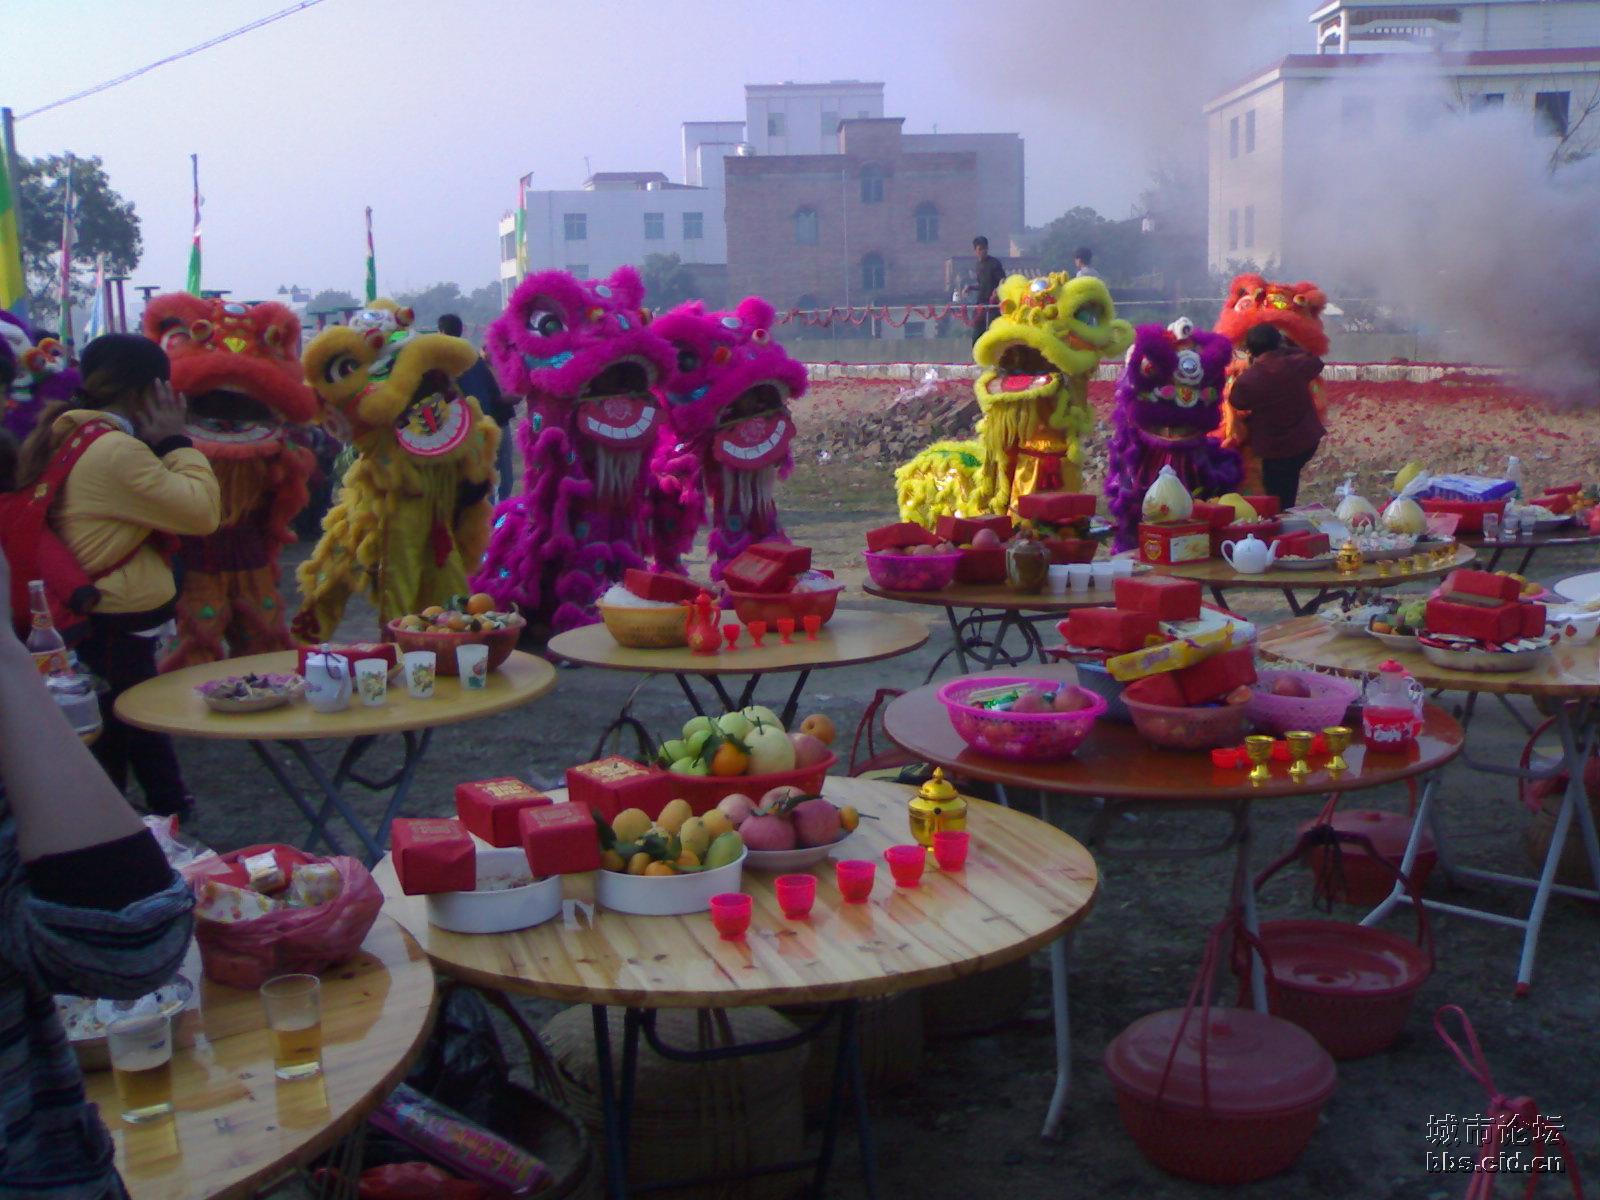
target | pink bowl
x=912, y=572
x=1188, y=728
x=443, y=642
x=1030, y=737
x=1326, y=705
x=779, y=606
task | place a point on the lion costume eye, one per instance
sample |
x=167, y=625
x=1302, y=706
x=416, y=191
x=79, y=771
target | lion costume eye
x=543, y=322
x=340, y=368
x=688, y=361
x=1087, y=314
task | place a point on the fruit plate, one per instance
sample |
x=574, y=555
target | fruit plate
x=497, y=909
x=264, y=692
x=1396, y=641
x=801, y=859
x=1483, y=661
x=1353, y=623
x=668, y=895
x=705, y=792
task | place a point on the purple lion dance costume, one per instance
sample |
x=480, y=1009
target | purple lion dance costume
x=580, y=354
x=728, y=432
x=42, y=374
x=1169, y=399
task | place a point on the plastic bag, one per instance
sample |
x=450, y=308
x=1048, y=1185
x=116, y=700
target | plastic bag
x=463, y=1062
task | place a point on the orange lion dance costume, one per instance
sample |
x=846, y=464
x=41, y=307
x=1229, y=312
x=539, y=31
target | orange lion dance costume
x=1296, y=309
x=239, y=367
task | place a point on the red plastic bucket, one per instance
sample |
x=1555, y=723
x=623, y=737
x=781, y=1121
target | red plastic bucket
x=1366, y=882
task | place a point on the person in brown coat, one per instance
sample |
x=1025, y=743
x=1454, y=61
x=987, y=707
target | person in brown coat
x=1275, y=389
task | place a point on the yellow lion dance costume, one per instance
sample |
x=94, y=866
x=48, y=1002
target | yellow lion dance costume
x=412, y=519
x=1036, y=357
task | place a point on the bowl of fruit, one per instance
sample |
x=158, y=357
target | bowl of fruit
x=788, y=829
x=1035, y=720
x=1398, y=628
x=464, y=621
x=917, y=569
x=747, y=752
x=1282, y=701
x=1198, y=727
x=813, y=594
x=668, y=865
x=507, y=897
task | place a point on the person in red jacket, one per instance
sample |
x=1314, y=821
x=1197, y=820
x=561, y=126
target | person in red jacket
x=1275, y=389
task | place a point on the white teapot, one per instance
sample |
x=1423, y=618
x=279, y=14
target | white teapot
x=327, y=681
x=1250, y=555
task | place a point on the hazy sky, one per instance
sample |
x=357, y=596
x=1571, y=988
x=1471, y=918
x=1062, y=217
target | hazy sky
x=429, y=111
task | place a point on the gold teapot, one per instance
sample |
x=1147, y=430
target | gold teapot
x=937, y=805
x=1349, y=559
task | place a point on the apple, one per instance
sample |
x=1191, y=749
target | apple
x=770, y=750
x=773, y=797
x=1070, y=699
x=736, y=808
x=760, y=714
x=735, y=724
x=808, y=751
x=1290, y=685
x=1030, y=702
x=695, y=724
x=985, y=539
x=1239, y=695
x=696, y=742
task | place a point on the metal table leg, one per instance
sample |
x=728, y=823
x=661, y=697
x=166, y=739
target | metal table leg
x=289, y=788
x=959, y=639
x=1060, y=949
x=614, y=1150
x=1246, y=896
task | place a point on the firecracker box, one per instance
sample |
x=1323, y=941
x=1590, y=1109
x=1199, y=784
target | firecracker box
x=1467, y=582
x=352, y=653
x=1175, y=542
x=1156, y=689
x=1302, y=543
x=1533, y=620
x=1055, y=508
x=751, y=573
x=1266, y=507
x=1214, y=677
x=981, y=564
x=1118, y=629
x=1565, y=489
x=1215, y=515
x=1559, y=503
x=667, y=588
x=793, y=559
x=1239, y=530
x=1498, y=623
x=1176, y=654
x=1070, y=550
x=559, y=839
x=961, y=530
x=1162, y=596
x=1471, y=512
x=900, y=536
x=433, y=854
x=612, y=784
x=489, y=808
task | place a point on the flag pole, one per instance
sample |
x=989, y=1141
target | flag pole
x=13, y=274
x=372, y=261
x=64, y=324
x=193, y=284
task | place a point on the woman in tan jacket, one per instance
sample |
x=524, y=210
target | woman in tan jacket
x=139, y=482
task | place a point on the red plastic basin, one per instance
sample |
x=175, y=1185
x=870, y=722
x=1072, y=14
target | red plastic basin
x=1366, y=882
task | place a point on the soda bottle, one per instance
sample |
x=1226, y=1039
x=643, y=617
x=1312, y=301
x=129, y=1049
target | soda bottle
x=45, y=643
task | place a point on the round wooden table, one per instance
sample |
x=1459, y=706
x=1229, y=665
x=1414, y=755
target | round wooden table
x=1529, y=544
x=169, y=704
x=1567, y=681
x=850, y=638
x=1025, y=886
x=1580, y=589
x=1217, y=575
x=235, y=1127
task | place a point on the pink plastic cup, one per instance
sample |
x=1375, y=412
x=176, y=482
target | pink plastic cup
x=811, y=622
x=950, y=848
x=731, y=633
x=730, y=913
x=906, y=864
x=786, y=629
x=796, y=895
x=855, y=876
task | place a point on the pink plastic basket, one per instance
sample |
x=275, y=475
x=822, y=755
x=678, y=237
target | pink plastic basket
x=912, y=572
x=1033, y=737
x=1326, y=705
x=1188, y=728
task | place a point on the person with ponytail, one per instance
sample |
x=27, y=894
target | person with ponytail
x=136, y=484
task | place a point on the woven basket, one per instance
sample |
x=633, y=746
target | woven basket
x=977, y=1003
x=1572, y=869
x=693, y=1119
x=889, y=1030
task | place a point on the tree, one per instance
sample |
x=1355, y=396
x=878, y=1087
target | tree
x=105, y=224
x=1173, y=209
x=1118, y=246
x=667, y=282
x=331, y=299
x=430, y=303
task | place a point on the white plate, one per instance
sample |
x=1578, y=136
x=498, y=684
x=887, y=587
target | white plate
x=1396, y=641
x=792, y=860
x=1485, y=661
x=667, y=895
x=498, y=911
x=1320, y=563
x=1352, y=624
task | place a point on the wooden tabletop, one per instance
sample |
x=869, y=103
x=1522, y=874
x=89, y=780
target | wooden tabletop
x=1214, y=572
x=1568, y=672
x=1580, y=589
x=1570, y=535
x=237, y=1127
x=851, y=637
x=995, y=596
x=169, y=703
x=1025, y=883
x=1115, y=762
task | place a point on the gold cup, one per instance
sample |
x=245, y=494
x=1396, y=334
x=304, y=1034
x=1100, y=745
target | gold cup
x=1300, y=748
x=1258, y=747
x=1338, y=739
x=1384, y=569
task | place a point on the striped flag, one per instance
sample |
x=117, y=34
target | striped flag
x=13, y=284
x=372, y=261
x=522, y=225
x=69, y=238
x=193, y=285
x=99, y=311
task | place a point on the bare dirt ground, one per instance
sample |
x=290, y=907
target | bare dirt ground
x=969, y=1126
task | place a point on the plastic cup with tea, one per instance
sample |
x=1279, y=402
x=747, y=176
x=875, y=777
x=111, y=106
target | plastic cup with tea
x=294, y=1022
x=730, y=914
x=906, y=864
x=855, y=876
x=141, y=1065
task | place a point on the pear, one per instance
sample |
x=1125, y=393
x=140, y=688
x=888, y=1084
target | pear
x=760, y=714
x=770, y=750
x=694, y=743
x=630, y=825
x=694, y=835
x=735, y=724
x=674, y=815
x=724, y=849
x=674, y=750
x=695, y=724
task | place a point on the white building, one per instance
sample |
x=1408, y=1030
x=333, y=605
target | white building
x=1541, y=57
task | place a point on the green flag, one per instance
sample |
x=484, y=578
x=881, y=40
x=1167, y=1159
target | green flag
x=13, y=289
x=372, y=262
x=193, y=285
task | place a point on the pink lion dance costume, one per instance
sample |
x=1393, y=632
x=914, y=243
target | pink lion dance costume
x=579, y=352
x=42, y=376
x=729, y=432
x=1169, y=399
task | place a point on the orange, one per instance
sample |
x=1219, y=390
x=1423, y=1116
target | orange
x=480, y=603
x=457, y=622
x=639, y=863
x=432, y=611
x=612, y=861
x=688, y=859
x=660, y=868
x=729, y=760
x=849, y=818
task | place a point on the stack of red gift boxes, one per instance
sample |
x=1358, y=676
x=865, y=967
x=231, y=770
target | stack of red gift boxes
x=1477, y=606
x=1222, y=524
x=1303, y=543
x=1062, y=520
x=767, y=568
x=983, y=556
x=662, y=586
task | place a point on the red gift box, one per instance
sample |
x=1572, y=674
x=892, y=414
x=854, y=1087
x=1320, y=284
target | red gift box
x=1566, y=489
x=1559, y=503
x=1302, y=544
x=1496, y=624
x=1239, y=530
x=1471, y=512
x=559, y=839
x=982, y=564
x=1266, y=507
x=489, y=808
x=1118, y=629
x=670, y=589
x=1213, y=678
x=899, y=537
x=610, y=785
x=1217, y=516
x=961, y=530
x=750, y=572
x=1466, y=582
x=1159, y=689
x=1175, y=542
x=1162, y=596
x=433, y=854
x=1070, y=550
x=1533, y=620
x=352, y=653
x=793, y=559
x=1055, y=508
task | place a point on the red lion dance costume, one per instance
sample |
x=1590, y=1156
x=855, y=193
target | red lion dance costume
x=1296, y=309
x=239, y=368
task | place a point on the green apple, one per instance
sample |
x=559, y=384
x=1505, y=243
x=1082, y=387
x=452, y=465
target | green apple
x=764, y=715
x=682, y=766
x=674, y=750
x=698, y=766
x=696, y=742
x=695, y=724
x=770, y=750
x=735, y=724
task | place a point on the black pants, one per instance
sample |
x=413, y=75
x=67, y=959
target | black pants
x=122, y=660
x=1280, y=477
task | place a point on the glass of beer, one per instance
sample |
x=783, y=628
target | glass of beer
x=294, y=1021
x=141, y=1064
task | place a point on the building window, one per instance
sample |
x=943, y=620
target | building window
x=830, y=124
x=1550, y=111
x=1233, y=229
x=1250, y=132
x=1356, y=115
x=575, y=226
x=872, y=185
x=694, y=226
x=1233, y=137
x=927, y=223
x=581, y=270
x=1487, y=100
x=776, y=125
x=806, y=227
x=872, y=273
x=508, y=246
x=1250, y=227
x=655, y=227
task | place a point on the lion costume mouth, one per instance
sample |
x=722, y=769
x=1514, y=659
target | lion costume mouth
x=756, y=429
x=227, y=417
x=616, y=408
x=436, y=421
x=1022, y=372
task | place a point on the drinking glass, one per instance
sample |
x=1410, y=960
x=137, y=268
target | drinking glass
x=372, y=681
x=141, y=1065
x=420, y=668
x=950, y=848
x=1491, y=527
x=730, y=913
x=796, y=895
x=855, y=876
x=472, y=666
x=906, y=864
x=294, y=1018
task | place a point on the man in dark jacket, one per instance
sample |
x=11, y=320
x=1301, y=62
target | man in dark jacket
x=479, y=383
x=988, y=273
x=1275, y=389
